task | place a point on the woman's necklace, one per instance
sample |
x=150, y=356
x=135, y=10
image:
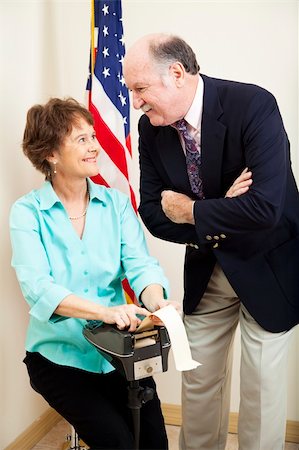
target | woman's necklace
x=84, y=212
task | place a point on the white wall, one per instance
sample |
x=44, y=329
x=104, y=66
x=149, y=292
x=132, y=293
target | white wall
x=45, y=52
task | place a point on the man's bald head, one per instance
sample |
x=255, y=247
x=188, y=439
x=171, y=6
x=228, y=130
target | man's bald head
x=163, y=49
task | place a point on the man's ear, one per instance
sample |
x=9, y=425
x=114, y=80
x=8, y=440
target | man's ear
x=178, y=72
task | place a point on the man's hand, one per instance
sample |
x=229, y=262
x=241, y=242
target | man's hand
x=177, y=207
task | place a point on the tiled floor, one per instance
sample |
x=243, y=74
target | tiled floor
x=56, y=439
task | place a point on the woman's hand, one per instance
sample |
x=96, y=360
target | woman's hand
x=241, y=184
x=162, y=304
x=152, y=298
x=124, y=316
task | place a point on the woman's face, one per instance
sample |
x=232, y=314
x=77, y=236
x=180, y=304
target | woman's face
x=77, y=156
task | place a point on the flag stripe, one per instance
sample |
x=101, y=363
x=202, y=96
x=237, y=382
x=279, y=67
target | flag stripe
x=108, y=141
x=100, y=180
x=112, y=175
x=113, y=117
x=128, y=145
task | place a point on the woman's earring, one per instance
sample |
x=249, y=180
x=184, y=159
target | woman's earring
x=54, y=170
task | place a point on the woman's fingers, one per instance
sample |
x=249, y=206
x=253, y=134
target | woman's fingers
x=177, y=306
x=125, y=316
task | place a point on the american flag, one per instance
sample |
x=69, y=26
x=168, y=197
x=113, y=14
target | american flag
x=108, y=100
x=108, y=96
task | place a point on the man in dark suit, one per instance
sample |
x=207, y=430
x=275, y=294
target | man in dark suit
x=242, y=244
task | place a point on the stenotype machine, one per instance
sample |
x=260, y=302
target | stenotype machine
x=135, y=355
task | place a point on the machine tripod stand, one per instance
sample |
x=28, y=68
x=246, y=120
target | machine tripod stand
x=137, y=396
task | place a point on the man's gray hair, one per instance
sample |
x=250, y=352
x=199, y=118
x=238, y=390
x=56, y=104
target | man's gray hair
x=173, y=49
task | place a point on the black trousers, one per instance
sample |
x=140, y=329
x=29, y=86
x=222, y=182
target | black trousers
x=96, y=405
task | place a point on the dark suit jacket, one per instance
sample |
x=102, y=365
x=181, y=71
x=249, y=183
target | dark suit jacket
x=254, y=237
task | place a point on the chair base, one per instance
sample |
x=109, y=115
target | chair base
x=73, y=442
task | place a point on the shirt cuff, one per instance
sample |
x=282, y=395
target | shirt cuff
x=44, y=308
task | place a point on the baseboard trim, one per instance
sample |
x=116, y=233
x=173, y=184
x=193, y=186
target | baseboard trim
x=172, y=415
x=36, y=431
x=292, y=433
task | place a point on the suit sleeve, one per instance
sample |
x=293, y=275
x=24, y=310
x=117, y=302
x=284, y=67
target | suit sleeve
x=266, y=150
x=152, y=183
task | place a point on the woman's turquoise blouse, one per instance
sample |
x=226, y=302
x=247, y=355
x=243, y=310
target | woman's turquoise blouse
x=51, y=262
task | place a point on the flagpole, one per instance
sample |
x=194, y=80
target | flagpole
x=92, y=55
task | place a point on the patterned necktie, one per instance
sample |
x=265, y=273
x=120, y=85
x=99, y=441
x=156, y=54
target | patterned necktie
x=193, y=159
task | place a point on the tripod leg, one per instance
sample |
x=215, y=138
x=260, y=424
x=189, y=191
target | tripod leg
x=136, y=424
x=134, y=403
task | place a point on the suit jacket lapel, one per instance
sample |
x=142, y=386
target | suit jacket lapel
x=173, y=158
x=212, y=140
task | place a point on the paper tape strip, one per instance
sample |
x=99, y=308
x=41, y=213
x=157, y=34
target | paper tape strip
x=178, y=337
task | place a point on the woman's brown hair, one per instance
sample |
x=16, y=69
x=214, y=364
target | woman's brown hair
x=46, y=128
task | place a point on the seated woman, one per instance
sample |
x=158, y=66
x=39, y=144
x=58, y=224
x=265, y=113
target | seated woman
x=73, y=242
